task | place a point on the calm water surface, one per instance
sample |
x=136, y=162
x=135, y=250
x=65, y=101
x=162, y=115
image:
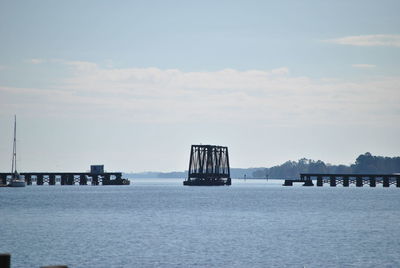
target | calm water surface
x=160, y=223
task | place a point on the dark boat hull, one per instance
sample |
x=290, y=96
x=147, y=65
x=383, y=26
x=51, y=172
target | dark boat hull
x=116, y=182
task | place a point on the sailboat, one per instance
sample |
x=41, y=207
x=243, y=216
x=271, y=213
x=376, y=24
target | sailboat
x=16, y=179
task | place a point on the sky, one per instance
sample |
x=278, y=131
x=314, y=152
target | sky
x=132, y=84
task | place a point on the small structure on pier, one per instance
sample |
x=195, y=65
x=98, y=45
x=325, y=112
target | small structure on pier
x=208, y=166
x=97, y=169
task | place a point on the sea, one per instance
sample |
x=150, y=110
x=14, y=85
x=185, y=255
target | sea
x=161, y=223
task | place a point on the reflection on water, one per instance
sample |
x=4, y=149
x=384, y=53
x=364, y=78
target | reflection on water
x=159, y=222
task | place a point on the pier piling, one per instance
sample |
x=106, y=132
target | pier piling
x=52, y=179
x=39, y=179
x=345, y=181
x=82, y=179
x=70, y=179
x=332, y=181
x=320, y=182
x=106, y=179
x=308, y=183
x=359, y=182
x=63, y=179
x=386, y=182
x=28, y=179
x=372, y=182
x=95, y=180
x=288, y=183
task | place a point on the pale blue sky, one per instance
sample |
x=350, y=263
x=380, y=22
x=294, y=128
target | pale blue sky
x=132, y=84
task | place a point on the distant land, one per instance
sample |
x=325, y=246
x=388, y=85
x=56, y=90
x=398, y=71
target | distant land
x=235, y=173
x=365, y=163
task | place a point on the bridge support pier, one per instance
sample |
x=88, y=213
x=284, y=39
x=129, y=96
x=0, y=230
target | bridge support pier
x=52, y=179
x=70, y=179
x=320, y=182
x=288, y=183
x=386, y=182
x=64, y=179
x=39, y=179
x=345, y=181
x=332, y=181
x=308, y=182
x=82, y=180
x=359, y=182
x=28, y=179
x=398, y=182
x=372, y=182
x=106, y=179
x=95, y=180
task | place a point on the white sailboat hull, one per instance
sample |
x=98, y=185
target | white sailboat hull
x=17, y=183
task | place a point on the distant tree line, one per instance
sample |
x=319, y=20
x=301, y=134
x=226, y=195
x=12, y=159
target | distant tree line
x=365, y=163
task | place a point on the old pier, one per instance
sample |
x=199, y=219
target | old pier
x=96, y=176
x=359, y=180
x=68, y=178
x=208, y=166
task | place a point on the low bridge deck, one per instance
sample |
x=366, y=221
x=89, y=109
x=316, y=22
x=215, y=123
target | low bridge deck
x=346, y=179
x=68, y=178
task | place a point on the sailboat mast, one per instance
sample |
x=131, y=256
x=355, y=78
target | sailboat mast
x=14, y=160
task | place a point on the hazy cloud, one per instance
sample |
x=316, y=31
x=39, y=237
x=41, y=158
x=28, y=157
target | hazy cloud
x=36, y=61
x=392, y=40
x=260, y=96
x=364, y=66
